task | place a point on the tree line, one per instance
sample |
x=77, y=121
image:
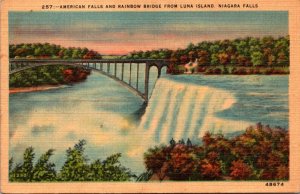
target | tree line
x=76, y=167
x=249, y=51
x=53, y=51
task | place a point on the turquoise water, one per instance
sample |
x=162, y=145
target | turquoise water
x=259, y=98
x=104, y=113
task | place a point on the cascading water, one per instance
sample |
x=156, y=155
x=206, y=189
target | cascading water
x=182, y=110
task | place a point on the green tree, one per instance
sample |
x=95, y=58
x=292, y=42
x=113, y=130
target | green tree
x=37, y=51
x=257, y=58
x=213, y=49
x=152, y=56
x=96, y=171
x=190, y=47
x=214, y=59
x=10, y=164
x=75, y=167
x=242, y=47
x=109, y=170
x=43, y=169
x=254, y=41
x=23, y=172
x=84, y=51
x=67, y=53
x=267, y=42
x=114, y=171
x=75, y=54
x=282, y=58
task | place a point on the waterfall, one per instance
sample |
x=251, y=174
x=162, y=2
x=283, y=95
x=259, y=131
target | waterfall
x=183, y=110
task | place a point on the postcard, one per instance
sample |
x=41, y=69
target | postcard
x=150, y=96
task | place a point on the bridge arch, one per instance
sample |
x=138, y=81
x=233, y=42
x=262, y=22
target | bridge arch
x=18, y=65
x=159, y=65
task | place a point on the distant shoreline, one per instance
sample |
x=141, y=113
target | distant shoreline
x=34, y=88
x=233, y=70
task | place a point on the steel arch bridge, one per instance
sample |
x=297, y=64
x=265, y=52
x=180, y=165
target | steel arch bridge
x=19, y=65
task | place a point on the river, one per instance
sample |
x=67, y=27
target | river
x=108, y=116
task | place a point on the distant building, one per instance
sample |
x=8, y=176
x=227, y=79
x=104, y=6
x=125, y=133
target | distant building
x=191, y=67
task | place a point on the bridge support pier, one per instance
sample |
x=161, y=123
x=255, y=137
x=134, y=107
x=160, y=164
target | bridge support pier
x=122, y=76
x=137, y=76
x=146, y=82
x=130, y=74
x=158, y=73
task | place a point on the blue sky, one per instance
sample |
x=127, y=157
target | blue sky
x=122, y=32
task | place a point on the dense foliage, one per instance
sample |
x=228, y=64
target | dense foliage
x=46, y=50
x=265, y=51
x=260, y=153
x=47, y=75
x=75, y=168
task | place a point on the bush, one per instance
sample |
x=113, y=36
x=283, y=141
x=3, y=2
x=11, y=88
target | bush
x=210, y=170
x=239, y=71
x=240, y=170
x=217, y=71
x=213, y=70
x=260, y=153
x=201, y=69
x=182, y=163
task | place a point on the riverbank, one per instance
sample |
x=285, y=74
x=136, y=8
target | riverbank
x=34, y=88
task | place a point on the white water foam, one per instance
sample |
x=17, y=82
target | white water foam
x=180, y=110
